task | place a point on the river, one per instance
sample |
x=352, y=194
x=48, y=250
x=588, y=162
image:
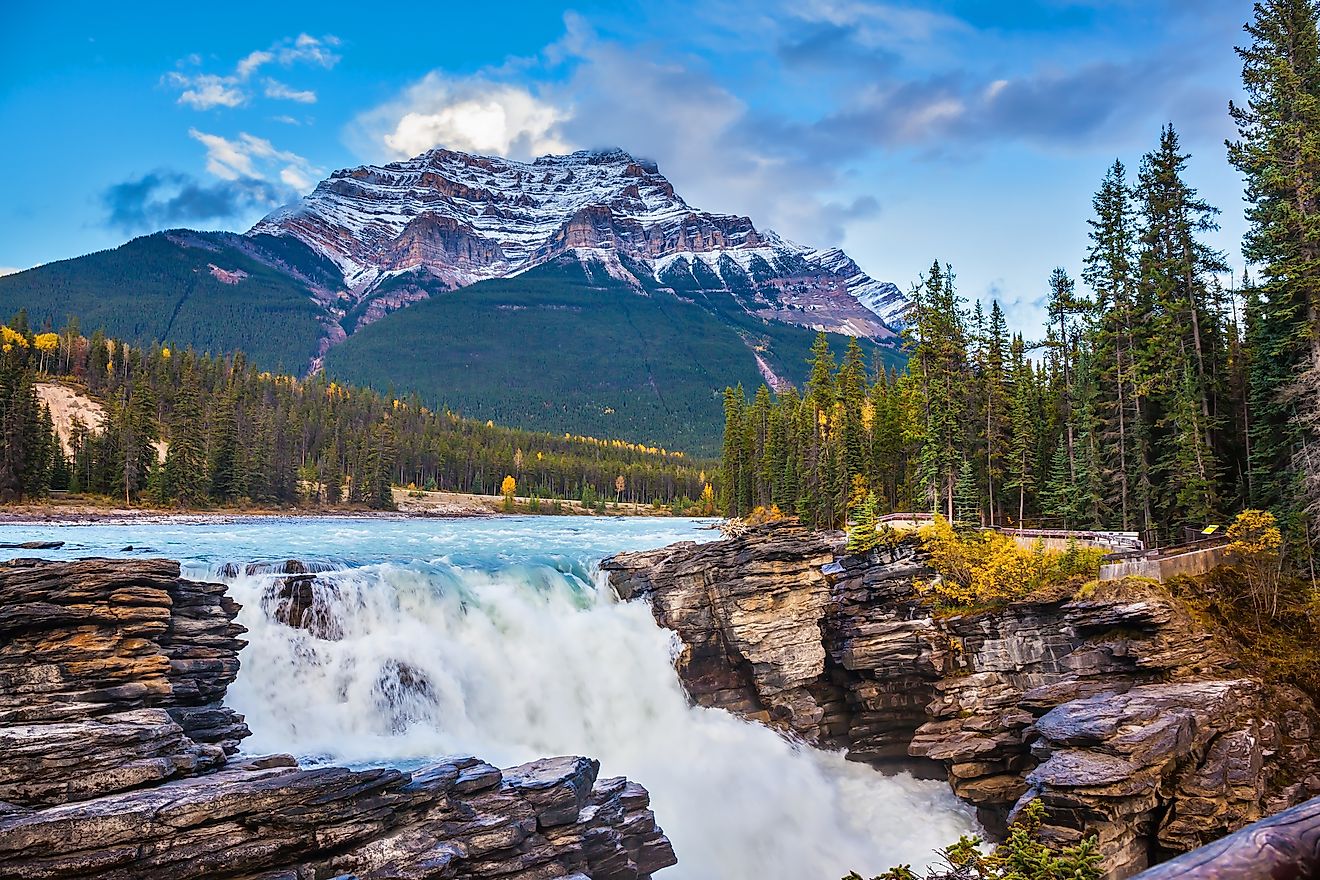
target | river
x=496, y=637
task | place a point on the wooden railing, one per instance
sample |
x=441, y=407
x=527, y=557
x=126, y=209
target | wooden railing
x=1285, y=846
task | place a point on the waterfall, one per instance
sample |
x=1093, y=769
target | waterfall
x=528, y=655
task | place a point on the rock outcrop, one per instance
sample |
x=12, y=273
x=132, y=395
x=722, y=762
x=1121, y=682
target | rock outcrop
x=1124, y=715
x=116, y=760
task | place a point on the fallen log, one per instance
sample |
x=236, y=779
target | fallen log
x=1285, y=846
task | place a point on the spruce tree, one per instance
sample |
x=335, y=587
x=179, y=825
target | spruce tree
x=731, y=463
x=1278, y=152
x=185, y=478
x=1184, y=342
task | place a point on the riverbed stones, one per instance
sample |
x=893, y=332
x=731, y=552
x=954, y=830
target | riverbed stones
x=116, y=761
x=1119, y=710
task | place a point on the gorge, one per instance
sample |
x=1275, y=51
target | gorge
x=1128, y=717
x=429, y=639
x=138, y=741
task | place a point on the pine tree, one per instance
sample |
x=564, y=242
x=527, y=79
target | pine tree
x=937, y=342
x=994, y=377
x=226, y=480
x=1184, y=336
x=852, y=398
x=1279, y=154
x=966, y=499
x=732, y=465
x=863, y=527
x=184, y=479
x=1111, y=273
x=1021, y=466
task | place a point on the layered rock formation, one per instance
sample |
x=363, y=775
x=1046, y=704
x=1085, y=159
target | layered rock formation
x=116, y=760
x=1128, y=719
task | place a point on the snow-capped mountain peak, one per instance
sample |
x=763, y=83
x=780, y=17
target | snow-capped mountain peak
x=464, y=218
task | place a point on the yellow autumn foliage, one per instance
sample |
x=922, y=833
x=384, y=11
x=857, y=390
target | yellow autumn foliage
x=761, y=515
x=11, y=339
x=47, y=342
x=988, y=567
x=1256, y=544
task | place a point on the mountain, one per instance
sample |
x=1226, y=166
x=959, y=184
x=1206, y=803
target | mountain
x=450, y=219
x=216, y=291
x=574, y=293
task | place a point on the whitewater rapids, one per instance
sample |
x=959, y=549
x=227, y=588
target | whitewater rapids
x=533, y=660
x=496, y=638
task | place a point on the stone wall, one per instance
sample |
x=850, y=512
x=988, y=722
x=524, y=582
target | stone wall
x=1117, y=709
x=116, y=761
x=1161, y=568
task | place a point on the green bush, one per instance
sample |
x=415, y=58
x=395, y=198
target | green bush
x=1023, y=856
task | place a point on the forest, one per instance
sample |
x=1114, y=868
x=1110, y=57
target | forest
x=232, y=434
x=1162, y=393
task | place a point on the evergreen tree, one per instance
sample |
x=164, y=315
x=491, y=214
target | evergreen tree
x=184, y=478
x=226, y=481
x=966, y=500
x=1279, y=154
x=1185, y=342
x=732, y=465
x=863, y=528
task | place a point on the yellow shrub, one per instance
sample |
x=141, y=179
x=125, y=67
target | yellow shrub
x=988, y=567
x=764, y=515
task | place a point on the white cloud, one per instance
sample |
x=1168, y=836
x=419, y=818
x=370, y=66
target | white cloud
x=253, y=158
x=880, y=25
x=631, y=97
x=203, y=91
x=473, y=114
x=251, y=63
x=8, y=270
x=280, y=91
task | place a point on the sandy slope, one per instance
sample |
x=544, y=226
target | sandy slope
x=66, y=404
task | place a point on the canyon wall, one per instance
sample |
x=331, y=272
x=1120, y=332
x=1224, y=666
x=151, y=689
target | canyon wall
x=118, y=760
x=1127, y=718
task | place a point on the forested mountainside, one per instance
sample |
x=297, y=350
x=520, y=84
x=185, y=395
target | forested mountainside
x=491, y=287
x=216, y=292
x=195, y=430
x=516, y=350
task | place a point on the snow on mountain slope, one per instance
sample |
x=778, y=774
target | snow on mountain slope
x=461, y=218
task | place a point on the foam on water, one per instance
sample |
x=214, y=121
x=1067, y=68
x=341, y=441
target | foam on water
x=496, y=638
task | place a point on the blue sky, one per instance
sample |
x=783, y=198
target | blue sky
x=971, y=132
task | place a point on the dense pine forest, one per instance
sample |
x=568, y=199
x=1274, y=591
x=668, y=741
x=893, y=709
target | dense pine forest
x=232, y=434
x=1159, y=394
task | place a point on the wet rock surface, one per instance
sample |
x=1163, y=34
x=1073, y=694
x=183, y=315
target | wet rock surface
x=1117, y=709
x=116, y=761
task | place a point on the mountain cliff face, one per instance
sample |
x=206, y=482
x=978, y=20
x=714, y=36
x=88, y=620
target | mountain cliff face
x=453, y=219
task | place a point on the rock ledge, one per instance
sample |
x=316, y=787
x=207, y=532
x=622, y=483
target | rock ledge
x=116, y=761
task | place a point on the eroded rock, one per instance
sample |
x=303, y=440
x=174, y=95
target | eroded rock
x=1129, y=719
x=115, y=761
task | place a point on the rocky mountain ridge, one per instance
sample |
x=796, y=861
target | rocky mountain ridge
x=1118, y=709
x=117, y=760
x=450, y=219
